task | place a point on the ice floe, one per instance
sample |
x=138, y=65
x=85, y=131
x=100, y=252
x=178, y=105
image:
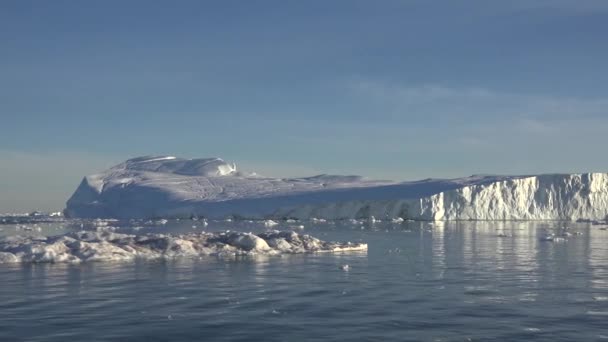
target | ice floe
x=109, y=246
x=270, y=223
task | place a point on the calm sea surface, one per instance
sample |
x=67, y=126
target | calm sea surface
x=417, y=282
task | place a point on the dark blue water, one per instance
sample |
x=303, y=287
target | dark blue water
x=453, y=282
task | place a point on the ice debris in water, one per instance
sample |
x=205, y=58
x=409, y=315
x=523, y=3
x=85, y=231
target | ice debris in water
x=270, y=223
x=102, y=246
x=552, y=238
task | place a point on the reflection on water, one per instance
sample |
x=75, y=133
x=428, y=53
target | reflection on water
x=452, y=281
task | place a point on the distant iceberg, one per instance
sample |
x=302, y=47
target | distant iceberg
x=156, y=187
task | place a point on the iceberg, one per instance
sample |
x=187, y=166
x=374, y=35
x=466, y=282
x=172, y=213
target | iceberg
x=87, y=246
x=171, y=187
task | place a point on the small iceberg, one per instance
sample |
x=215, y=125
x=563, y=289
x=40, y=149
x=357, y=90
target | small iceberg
x=270, y=223
x=552, y=238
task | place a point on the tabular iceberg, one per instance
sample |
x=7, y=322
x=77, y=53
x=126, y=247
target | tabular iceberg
x=148, y=187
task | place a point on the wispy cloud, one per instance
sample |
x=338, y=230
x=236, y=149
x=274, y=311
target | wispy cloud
x=588, y=6
x=472, y=104
x=435, y=130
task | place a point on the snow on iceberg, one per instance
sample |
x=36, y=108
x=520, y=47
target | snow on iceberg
x=154, y=187
x=108, y=246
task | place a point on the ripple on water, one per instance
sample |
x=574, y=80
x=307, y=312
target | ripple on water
x=455, y=284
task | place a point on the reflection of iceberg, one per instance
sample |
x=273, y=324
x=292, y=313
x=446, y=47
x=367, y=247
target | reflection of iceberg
x=597, y=250
x=101, y=246
x=173, y=187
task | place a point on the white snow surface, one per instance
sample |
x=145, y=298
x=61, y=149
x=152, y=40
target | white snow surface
x=107, y=246
x=154, y=187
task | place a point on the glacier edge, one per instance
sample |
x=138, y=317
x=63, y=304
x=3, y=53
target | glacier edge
x=545, y=197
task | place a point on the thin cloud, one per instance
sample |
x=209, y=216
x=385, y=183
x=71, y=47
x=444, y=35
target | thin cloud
x=470, y=103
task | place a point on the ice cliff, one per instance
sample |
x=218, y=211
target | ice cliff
x=173, y=187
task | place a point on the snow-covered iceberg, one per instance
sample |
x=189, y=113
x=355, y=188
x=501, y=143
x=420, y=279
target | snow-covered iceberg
x=107, y=246
x=149, y=187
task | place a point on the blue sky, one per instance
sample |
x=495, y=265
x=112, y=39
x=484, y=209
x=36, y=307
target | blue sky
x=388, y=89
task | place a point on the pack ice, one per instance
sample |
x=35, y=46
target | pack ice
x=154, y=187
x=108, y=246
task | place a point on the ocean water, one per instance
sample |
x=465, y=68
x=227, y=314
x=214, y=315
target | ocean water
x=417, y=282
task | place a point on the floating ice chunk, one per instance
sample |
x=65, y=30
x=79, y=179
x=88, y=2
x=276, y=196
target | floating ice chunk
x=552, y=238
x=280, y=244
x=270, y=223
x=398, y=220
x=105, y=245
x=106, y=229
x=102, y=223
x=345, y=268
x=248, y=242
x=8, y=258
